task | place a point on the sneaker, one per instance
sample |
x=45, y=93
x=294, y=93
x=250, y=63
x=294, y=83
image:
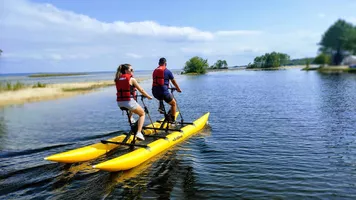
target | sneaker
x=161, y=108
x=173, y=119
x=174, y=124
x=161, y=111
x=132, y=120
x=139, y=135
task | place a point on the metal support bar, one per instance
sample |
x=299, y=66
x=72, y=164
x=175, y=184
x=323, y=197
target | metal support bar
x=162, y=129
x=123, y=143
x=155, y=136
x=190, y=123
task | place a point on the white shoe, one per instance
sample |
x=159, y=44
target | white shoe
x=132, y=120
x=140, y=136
x=174, y=124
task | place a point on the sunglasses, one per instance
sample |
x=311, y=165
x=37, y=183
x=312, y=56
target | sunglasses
x=131, y=70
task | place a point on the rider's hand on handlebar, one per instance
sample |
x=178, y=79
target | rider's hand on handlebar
x=149, y=97
x=178, y=90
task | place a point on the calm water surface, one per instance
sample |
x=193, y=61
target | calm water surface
x=285, y=134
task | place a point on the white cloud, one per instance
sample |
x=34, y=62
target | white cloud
x=238, y=33
x=352, y=20
x=43, y=32
x=55, y=56
x=45, y=17
x=132, y=55
x=321, y=15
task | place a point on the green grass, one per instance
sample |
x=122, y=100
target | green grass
x=191, y=73
x=39, y=85
x=264, y=68
x=83, y=89
x=309, y=68
x=9, y=86
x=336, y=69
x=56, y=74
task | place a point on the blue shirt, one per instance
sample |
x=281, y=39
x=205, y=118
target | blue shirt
x=163, y=89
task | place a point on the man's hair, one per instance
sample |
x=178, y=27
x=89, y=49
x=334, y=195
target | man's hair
x=162, y=61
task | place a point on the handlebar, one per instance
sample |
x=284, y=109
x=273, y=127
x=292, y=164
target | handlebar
x=172, y=89
x=142, y=96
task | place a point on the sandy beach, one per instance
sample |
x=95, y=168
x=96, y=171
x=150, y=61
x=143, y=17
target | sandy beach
x=52, y=91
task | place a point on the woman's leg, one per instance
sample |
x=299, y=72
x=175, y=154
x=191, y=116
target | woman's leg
x=141, y=113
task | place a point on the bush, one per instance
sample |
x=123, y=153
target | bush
x=8, y=86
x=196, y=65
x=39, y=85
x=323, y=59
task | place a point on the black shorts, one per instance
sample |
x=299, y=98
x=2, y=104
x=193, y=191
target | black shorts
x=167, y=97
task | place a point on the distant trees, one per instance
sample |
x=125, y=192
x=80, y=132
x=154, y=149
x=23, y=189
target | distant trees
x=196, y=65
x=323, y=59
x=0, y=52
x=220, y=64
x=300, y=61
x=199, y=65
x=268, y=60
x=338, y=41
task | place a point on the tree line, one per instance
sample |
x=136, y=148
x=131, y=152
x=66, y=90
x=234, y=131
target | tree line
x=200, y=65
x=338, y=41
x=274, y=59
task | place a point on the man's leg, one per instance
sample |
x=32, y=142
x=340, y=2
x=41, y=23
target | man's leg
x=170, y=100
x=161, y=107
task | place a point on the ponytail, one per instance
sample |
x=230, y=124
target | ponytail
x=118, y=72
x=121, y=70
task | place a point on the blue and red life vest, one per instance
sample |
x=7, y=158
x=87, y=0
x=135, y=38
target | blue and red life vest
x=125, y=91
x=158, y=76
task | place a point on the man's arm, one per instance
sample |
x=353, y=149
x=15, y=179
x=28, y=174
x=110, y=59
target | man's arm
x=171, y=77
x=176, y=85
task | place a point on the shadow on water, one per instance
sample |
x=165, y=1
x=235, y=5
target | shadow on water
x=155, y=178
x=3, y=128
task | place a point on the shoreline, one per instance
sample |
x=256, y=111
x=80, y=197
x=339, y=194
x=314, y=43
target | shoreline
x=53, y=91
x=43, y=75
x=276, y=68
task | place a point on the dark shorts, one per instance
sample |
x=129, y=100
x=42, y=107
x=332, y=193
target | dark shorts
x=166, y=96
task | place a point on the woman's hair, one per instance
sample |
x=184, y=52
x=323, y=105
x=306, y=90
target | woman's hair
x=121, y=70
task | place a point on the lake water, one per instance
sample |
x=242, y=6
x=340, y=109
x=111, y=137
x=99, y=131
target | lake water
x=91, y=76
x=285, y=134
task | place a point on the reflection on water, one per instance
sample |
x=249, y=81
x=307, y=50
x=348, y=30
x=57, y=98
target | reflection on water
x=285, y=134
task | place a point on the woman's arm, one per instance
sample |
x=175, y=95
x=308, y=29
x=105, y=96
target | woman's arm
x=134, y=83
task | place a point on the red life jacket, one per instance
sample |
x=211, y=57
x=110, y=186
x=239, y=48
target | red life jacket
x=158, y=76
x=125, y=91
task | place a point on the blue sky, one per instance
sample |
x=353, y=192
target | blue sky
x=98, y=35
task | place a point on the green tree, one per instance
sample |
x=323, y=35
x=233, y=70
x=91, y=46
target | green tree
x=283, y=58
x=196, y=65
x=220, y=64
x=300, y=61
x=273, y=59
x=339, y=39
x=307, y=63
x=322, y=59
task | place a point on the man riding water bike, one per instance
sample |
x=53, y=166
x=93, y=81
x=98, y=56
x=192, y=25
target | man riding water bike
x=161, y=77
